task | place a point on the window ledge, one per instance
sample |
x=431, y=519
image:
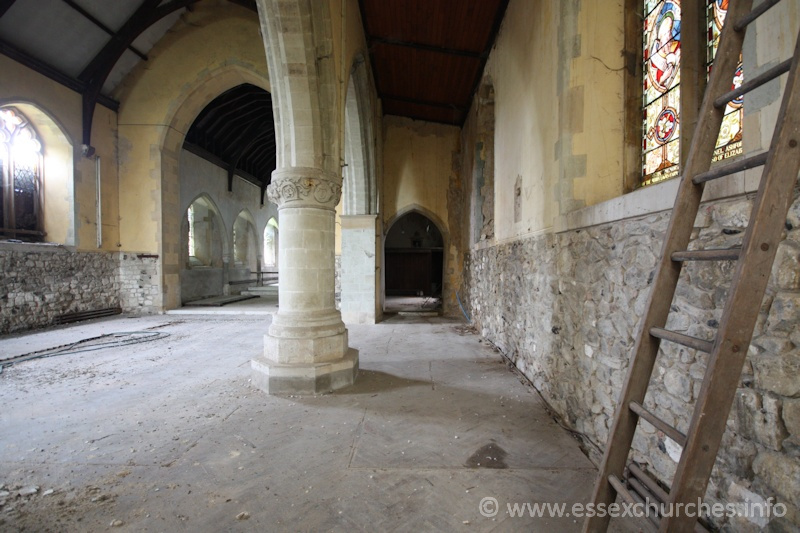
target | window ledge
x=654, y=199
x=34, y=247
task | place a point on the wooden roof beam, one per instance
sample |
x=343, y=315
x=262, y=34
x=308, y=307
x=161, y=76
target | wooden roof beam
x=97, y=71
x=91, y=18
x=427, y=47
x=5, y=5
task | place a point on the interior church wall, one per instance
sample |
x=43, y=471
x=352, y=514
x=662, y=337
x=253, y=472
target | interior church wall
x=21, y=85
x=561, y=290
x=199, y=177
x=69, y=273
x=421, y=171
x=212, y=48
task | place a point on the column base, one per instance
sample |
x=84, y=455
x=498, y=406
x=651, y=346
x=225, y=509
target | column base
x=304, y=378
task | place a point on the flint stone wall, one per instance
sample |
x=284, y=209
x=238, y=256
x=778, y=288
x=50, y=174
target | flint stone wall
x=565, y=309
x=42, y=282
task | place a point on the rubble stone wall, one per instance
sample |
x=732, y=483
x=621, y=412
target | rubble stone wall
x=42, y=282
x=565, y=309
x=140, y=291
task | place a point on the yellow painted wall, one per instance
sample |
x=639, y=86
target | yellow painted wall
x=417, y=165
x=214, y=37
x=526, y=111
x=543, y=125
x=22, y=85
x=599, y=70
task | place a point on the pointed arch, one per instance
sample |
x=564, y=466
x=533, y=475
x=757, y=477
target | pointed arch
x=270, y=256
x=216, y=255
x=245, y=249
x=360, y=188
x=445, y=236
x=297, y=37
x=57, y=195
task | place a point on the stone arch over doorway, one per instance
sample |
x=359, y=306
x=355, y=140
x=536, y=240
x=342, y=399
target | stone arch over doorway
x=440, y=263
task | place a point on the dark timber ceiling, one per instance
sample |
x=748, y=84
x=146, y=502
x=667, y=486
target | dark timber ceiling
x=237, y=132
x=428, y=55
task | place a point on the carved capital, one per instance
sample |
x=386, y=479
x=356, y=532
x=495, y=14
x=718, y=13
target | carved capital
x=304, y=187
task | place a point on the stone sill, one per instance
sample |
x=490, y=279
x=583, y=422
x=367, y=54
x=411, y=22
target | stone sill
x=639, y=203
x=35, y=247
x=654, y=199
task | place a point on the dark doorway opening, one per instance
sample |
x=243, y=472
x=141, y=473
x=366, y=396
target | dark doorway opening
x=414, y=252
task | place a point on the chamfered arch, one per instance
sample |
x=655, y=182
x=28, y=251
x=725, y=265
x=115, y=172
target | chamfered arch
x=58, y=173
x=443, y=230
x=252, y=228
x=360, y=184
x=223, y=230
x=430, y=215
x=186, y=108
x=298, y=39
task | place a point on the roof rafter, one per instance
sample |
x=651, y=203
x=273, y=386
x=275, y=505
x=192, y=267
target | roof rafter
x=5, y=5
x=98, y=69
x=91, y=18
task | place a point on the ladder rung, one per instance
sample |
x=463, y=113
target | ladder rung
x=754, y=14
x=626, y=495
x=686, y=340
x=726, y=254
x=643, y=496
x=758, y=81
x=659, y=424
x=621, y=489
x=731, y=168
x=644, y=499
x=645, y=486
x=654, y=488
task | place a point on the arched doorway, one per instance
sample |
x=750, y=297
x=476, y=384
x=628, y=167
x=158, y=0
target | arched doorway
x=414, y=259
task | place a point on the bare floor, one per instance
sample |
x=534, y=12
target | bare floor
x=166, y=434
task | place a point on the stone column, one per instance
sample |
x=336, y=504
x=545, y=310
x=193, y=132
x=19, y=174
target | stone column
x=305, y=350
x=359, y=269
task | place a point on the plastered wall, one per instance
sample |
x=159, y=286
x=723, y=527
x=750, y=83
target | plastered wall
x=561, y=289
x=421, y=172
x=185, y=69
x=556, y=70
x=70, y=197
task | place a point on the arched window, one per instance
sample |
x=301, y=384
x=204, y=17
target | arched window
x=204, y=235
x=661, y=89
x=21, y=184
x=271, y=244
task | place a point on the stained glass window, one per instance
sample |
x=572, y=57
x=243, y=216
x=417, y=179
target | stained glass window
x=729, y=143
x=661, y=88
x=21, y=164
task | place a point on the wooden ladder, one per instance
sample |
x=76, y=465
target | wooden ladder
x=754, y=258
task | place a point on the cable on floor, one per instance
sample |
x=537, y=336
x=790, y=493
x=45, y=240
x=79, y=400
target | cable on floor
x=131, y=337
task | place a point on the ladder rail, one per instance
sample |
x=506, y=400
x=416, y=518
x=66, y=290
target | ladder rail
x=761, y=240
x=687, y=203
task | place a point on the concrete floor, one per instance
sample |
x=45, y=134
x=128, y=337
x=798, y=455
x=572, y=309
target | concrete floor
x=168, y=435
